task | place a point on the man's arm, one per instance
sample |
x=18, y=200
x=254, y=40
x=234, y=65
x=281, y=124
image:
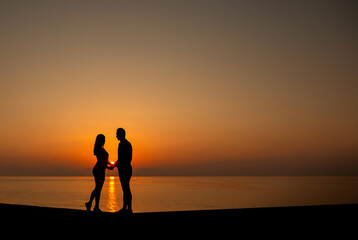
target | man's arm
x=116, y=164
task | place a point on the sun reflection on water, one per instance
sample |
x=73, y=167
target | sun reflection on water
x=112, y=203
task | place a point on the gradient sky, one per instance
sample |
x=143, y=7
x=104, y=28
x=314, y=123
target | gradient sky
x=201, y=87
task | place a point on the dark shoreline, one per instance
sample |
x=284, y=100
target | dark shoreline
x=279, y=222
x=314, y=210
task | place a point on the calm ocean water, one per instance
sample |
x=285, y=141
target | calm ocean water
x=181, y=193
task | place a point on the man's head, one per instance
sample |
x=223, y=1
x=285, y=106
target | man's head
x=121, y=134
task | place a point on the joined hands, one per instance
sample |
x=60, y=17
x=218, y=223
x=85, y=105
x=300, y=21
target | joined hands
x=111, y=166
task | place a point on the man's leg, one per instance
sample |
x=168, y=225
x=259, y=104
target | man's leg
x=127, y=195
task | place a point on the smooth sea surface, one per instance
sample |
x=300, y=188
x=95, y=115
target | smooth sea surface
x=152, y=194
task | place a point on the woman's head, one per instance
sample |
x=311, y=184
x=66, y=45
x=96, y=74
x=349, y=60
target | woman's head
x=98, y=145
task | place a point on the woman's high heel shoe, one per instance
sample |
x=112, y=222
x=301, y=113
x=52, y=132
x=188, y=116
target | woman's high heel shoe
x=88, y=206
x=97, y=210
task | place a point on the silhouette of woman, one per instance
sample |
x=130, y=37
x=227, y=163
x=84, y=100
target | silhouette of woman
x=98, y=172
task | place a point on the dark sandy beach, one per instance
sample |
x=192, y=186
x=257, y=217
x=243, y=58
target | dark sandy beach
x=306, y=222
x=298, y=217
x=317, y=211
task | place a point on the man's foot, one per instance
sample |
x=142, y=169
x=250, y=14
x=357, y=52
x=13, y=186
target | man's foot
x=122, y=211
x=88, y=206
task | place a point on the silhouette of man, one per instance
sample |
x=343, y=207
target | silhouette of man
x=124, y=169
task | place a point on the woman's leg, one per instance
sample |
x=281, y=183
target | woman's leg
x=93, y=195
x=99, y=179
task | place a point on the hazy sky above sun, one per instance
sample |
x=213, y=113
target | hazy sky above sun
x=201, y=87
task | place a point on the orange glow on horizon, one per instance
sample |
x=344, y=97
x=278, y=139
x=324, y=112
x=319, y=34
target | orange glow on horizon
x=190, y=85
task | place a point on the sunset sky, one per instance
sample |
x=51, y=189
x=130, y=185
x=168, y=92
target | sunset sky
x=201, y=87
